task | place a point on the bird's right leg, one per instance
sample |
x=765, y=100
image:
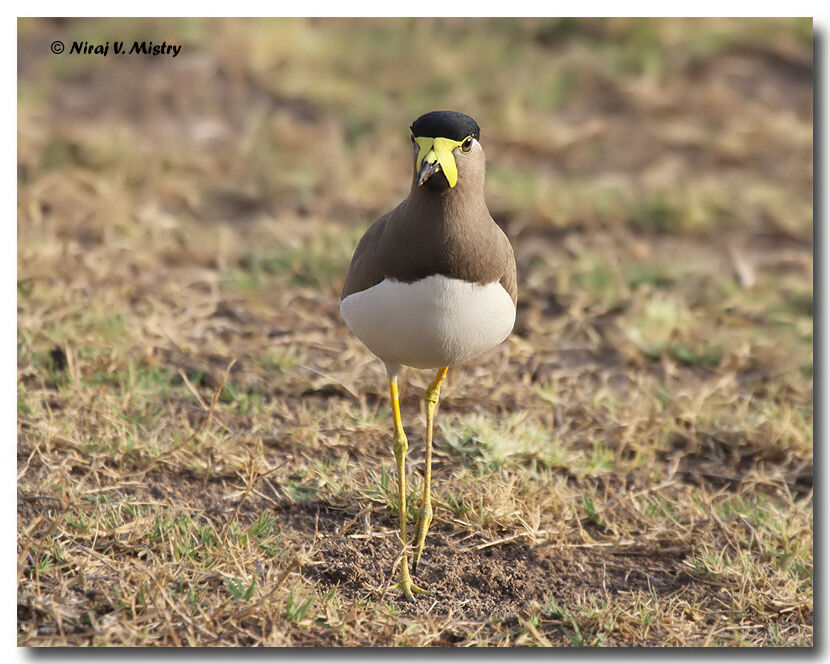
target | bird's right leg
x=425, y=518
x=400, y=446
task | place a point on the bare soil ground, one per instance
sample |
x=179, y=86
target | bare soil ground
x=204, y=451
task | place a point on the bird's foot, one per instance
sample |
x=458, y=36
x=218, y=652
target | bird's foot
x=407, y=588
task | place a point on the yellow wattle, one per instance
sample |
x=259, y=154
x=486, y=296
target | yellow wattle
x=440, y=150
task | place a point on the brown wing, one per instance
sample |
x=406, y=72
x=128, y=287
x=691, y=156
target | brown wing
x=366, y=269
x=508, y=279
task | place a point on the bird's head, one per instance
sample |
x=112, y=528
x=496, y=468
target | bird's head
x=446, y=149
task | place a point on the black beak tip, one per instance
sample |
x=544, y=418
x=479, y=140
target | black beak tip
x=427, y=171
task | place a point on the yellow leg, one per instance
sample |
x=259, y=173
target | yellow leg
x=400, y=446
x=425, y=518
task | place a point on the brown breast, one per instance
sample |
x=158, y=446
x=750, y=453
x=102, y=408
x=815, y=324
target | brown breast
x=428, y=235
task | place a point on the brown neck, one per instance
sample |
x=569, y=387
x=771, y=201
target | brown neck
x=443, y=210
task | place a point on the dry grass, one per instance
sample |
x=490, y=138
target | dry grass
x=203, y=451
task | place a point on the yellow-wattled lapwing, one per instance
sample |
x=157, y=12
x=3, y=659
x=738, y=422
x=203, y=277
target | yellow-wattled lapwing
x=432, y=284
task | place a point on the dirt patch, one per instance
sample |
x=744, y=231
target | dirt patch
x=472, y=581
x=499, y=581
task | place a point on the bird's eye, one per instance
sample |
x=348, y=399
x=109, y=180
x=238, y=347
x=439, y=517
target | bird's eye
x=467, y=145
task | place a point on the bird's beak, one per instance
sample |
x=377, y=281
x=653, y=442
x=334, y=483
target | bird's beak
x=429, y=167
x=436, y=154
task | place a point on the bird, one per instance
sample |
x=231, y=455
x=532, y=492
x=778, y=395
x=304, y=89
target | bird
x=432, y=285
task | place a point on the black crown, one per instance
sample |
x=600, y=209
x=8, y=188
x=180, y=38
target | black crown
x=446, y=124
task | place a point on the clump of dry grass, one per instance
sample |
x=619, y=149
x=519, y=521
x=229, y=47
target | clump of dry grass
x=203, y=451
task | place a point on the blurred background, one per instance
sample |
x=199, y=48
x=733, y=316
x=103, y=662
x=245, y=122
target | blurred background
x=654, y=176
x=273, y=144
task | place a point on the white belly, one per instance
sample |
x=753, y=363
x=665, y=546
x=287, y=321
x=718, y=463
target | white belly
x=432, y=323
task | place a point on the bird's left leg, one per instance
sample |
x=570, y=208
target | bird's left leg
x=425, y=518
x=400, y=446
